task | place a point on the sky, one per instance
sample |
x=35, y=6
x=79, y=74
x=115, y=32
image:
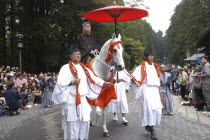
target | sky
x=160, y=12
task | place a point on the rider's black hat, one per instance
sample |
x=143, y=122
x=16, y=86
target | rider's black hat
x=86, y=24
x=73, y=49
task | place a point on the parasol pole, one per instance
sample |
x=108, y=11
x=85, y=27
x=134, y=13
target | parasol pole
x=115, y=26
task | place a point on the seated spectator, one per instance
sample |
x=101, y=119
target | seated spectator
x=2, y=108
x=37, y=96
x=2, y=92
x=24, y=93
x=36, y=79
x=13, y=99
x=17, y=69
x=8, y=79
x=27, y=92
x=19, y=81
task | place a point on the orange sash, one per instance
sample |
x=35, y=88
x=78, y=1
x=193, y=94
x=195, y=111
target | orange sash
x=143, y=71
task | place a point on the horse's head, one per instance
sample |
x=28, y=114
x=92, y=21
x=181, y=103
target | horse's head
x=115, y=52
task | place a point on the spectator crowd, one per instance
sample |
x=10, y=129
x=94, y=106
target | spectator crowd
x=193, y=84
x=24, y=90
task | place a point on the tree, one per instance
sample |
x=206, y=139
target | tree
x=134, y=52
x=188, y=24
x=3, y=57
x=47, y=28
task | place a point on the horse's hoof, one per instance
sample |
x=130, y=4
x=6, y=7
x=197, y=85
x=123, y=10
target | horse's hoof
x=99, y=113
x=92, y=124
x=106, y=134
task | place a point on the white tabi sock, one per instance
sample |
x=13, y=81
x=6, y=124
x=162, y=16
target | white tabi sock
x=115, y=117
x=124, y=120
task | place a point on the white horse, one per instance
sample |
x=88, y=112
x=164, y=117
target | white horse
x=111, y=49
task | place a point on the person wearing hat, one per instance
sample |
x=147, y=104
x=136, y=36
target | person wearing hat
x=74, y=85
x=13, y=98
x=148, y=76
x=87, y=43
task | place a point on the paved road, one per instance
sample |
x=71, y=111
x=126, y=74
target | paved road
x=45, y=124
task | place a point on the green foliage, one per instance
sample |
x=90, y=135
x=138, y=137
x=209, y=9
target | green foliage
x=48, y=27
x=188, y=24
x=134, y=51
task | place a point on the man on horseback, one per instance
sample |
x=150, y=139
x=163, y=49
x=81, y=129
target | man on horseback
x=75, y=84
x=148, y=76
x=87, y=43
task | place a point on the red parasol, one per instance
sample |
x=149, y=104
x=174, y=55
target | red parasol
x=115, y=14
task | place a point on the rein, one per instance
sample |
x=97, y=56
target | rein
x=75, y=73
x=143, y=73
x=97, y=57
x=133, y=78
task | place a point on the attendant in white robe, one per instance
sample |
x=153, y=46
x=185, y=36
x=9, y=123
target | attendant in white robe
x=76, y=118
x=148, y=93
x=120, y=104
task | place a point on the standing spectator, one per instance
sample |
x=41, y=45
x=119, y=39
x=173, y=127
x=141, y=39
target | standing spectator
x=190, y=87
x=166, y=90
x=173, y=73
x=205, y=80
x=46, y=86
x=199, y=99
x=186, y=69
x=12, y=98
x=183, y=79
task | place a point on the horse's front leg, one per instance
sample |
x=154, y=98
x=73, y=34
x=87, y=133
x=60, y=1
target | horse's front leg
x=98, y=115
x=106, y=132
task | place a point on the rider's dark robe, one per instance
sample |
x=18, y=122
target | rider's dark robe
x=85, y=44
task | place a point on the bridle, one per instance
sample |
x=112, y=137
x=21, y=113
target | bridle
x=109, y=55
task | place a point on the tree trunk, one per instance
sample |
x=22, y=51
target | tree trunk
x=3, y=59
x=12, y=30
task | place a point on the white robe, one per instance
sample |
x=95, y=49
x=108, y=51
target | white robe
x=120, y=104
x=149, y=95
x=75, y=127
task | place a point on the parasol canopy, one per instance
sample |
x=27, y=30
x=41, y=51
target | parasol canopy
x=115, y=14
